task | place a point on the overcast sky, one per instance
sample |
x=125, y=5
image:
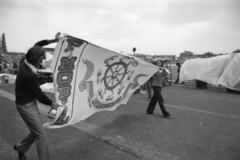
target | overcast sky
x=156, y=27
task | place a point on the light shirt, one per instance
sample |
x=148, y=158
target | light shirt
x=158, y=77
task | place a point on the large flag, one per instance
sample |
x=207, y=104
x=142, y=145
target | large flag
x=221, y=70
x=90, y=79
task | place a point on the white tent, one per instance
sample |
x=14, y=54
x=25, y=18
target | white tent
x=221, y=70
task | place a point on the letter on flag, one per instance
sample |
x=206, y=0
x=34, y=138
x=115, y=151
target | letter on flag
x=90, y=79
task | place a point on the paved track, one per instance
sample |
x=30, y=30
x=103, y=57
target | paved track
x=205, y=125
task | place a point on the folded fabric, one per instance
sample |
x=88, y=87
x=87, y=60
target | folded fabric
x=221, y=70
x=47, y=87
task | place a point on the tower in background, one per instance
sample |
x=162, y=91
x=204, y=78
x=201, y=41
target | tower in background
x=0, y=44
x=3, y=47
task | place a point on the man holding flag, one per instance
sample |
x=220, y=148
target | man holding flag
x=27, y=91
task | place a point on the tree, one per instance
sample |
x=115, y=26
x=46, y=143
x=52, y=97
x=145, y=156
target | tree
x=4, y=47
x=208, y=55
x=188, y=54
x=237, y=51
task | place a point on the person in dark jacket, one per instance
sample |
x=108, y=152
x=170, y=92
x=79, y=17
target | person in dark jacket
x=27, y=92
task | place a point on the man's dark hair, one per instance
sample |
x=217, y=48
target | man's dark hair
x=34, y=53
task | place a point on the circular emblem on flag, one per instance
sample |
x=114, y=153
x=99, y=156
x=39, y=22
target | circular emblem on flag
x=114, y=75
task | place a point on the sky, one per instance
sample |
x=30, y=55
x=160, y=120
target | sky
x=153, y=27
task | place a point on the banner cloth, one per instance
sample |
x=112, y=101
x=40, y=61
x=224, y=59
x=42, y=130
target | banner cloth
x=221, y=70
x=89, y=79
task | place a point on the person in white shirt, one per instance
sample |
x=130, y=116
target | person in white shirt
x=158, y=78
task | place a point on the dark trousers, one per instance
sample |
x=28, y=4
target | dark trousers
x=31, y=116
x=149, y=89
x=177, y=80
x=157, y=97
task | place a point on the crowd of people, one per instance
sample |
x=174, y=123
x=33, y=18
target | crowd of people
x=9, y=62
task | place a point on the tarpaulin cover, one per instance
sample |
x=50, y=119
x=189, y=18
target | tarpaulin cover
x=221, y=70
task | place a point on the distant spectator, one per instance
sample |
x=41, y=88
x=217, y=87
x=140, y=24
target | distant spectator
x=178, y=71
x=4, y=67
x=1, y=67
x=15, y=68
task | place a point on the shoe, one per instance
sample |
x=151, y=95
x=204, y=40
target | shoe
x=142, y=92
x=167, y=115
x=149, y=112
x=21, y=156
